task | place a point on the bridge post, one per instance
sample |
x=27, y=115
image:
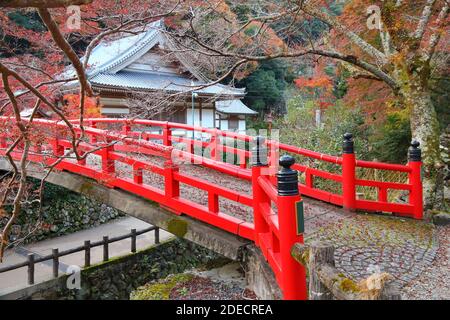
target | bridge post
x=259, y=167
x=92, y=137
x=171, y=186
x=108, y=165
x=167, y=134
x=3, y=143
x=215, y=140
x=348, y=173
x=291, y=228
x=415, y=179
x=126, y=128
x=58, y=150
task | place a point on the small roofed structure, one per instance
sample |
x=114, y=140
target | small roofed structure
x=145, y=63
x=232, y=115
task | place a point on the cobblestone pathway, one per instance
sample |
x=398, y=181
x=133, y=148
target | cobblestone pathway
x=434, y=281
x=407, y=249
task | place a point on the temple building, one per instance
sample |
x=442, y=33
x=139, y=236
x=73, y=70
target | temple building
x=137, y=65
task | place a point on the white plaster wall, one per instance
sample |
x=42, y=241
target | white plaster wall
x=207, y=118
x=106, y=110
x=196, y=117
x=242, y=126
x=223, y=124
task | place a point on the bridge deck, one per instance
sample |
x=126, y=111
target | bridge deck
x=318, y=214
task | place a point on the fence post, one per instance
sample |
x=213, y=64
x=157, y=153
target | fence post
x=133, y=240
x=167, y=134
x=105, y=248
x=31, y=268
x=415, y=179
x=348, y=173
x=259, y=164
x=291, y=228
x=55, y=254
x=157, y=235
x=171, y=186
x=138, y=174
x=87, y=253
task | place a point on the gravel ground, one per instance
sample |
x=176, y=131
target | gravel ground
x=200, y=288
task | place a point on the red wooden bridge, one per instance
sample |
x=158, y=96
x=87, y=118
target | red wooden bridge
x=124, y=153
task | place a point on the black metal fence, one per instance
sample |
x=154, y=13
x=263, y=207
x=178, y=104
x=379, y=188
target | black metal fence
x=86, y=247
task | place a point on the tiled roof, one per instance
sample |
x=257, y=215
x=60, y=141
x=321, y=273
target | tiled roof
x=233, y=107
x=108, y=64
x=158, y=81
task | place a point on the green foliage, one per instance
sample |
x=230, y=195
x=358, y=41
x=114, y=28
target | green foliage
x=28, y=20
x=387, y=142
x=266, y=85
x=391, y=142
x=305, y=29
x=257, y=124
x=160, y=290
x=298, y=127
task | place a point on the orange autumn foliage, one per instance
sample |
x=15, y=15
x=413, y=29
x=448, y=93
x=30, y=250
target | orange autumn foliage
x=71, y=108
x=316, y=82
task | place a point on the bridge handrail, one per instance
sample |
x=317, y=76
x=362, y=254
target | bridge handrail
x=282, y=146
x=308, y=188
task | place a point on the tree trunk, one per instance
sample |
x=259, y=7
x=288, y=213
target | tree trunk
x=425, y=129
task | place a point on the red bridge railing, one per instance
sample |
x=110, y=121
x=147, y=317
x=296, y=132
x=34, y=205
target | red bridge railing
x=275, y=201
x=347, y=173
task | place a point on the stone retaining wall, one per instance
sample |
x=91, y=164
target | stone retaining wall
x=63, y=212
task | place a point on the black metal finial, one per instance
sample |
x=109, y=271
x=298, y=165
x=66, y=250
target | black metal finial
x=347, y=146
x=414, y=152
x=259, y=152
x=287, y=178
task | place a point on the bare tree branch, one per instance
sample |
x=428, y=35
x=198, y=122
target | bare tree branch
x=436, y=36
x=426, y=14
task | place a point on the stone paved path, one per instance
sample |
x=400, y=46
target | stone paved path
x=414, y=252
x=434, y=282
